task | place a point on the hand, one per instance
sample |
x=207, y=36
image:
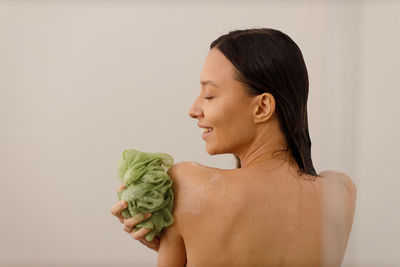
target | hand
x=130, y=223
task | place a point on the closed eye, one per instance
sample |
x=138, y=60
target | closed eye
x=208, y=97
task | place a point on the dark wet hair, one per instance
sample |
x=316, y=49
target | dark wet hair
x=269, y=61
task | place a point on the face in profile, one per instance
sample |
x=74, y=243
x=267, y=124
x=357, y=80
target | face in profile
x=223, y=107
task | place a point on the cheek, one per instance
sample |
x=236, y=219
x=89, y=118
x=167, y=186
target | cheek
x=234, y=124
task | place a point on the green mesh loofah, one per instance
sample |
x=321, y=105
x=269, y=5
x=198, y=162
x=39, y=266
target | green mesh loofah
x=148, y=188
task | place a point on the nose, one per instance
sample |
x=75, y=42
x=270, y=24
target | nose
x=195, y=110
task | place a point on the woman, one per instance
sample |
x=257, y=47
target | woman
x=274, y=209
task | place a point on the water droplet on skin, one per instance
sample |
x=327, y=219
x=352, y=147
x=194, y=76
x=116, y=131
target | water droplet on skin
x=215, y=178
x=222, y=192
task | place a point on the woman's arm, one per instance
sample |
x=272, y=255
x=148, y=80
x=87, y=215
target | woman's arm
x=172, y=251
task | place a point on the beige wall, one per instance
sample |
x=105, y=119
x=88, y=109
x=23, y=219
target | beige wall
x=80, y=81
x=376, y=230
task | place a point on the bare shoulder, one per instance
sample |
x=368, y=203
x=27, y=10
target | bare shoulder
x=181, y=169
x=188, y=169
x=186, y=176
x=338, y=194
x=189, y=182
x=342, y=179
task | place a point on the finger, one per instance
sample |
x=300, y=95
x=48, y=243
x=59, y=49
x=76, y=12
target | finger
x=121, y=187
x=141, y=233
x=147, y=243
x=117, y=208
x=152, y=244
x=131, y=222
x=128, y=229
x=144, y=242
x=155, y=244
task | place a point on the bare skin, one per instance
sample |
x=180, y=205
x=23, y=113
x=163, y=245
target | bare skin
x=263, y=214
x=277, y=218
x=267, y=216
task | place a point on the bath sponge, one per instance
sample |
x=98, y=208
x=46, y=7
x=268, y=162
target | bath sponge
x=148, y=188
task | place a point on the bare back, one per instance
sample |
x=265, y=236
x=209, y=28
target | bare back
x=273, y=218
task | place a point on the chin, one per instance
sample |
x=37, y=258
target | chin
x=210, y=151
x=214, y=151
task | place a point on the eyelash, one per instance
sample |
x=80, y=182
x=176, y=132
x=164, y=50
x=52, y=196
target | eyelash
x=208, y=97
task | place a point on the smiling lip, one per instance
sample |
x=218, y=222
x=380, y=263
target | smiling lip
x=205, y=135
x=203, y=126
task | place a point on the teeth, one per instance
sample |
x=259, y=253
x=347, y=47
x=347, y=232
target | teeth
x=206, y=130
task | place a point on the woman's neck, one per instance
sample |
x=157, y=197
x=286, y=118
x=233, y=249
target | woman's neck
x=268, y=146
x=264, y=154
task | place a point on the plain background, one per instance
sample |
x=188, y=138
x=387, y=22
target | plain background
x=80, y=81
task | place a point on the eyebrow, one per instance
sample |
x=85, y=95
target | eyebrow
x=209, y=82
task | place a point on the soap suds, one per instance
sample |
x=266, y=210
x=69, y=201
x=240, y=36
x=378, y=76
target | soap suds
x=215, y=177
x=222, y=191
x=199, y=192
x=193, y=206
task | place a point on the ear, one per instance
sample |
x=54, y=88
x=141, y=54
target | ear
x=264, y=107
